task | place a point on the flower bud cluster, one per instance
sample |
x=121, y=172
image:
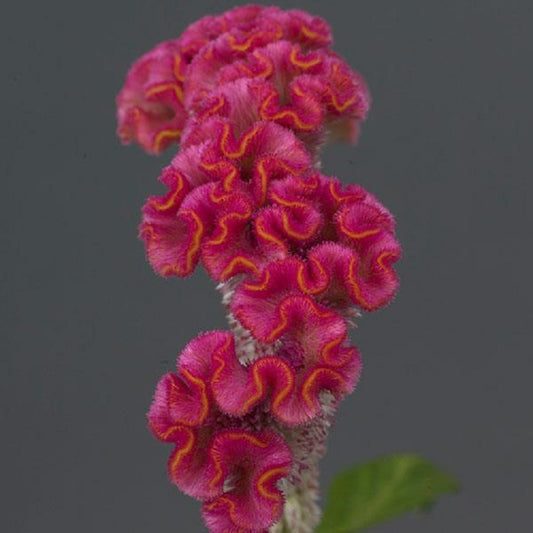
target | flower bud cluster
x=251, y=96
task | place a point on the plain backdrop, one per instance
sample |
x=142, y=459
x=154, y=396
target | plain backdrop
x=87, y=328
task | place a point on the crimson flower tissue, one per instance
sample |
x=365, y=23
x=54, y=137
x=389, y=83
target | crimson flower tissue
x=250, y=97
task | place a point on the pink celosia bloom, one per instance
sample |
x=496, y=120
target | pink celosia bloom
x=303, y=91
x=226, y=463
x=179, y=226
x=150, y=105
x=312, y=358
x=252, y=95
x=254, y=463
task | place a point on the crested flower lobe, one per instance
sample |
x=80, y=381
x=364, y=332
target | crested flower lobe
x=251, y=96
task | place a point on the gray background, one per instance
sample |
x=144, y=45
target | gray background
x=87, y=328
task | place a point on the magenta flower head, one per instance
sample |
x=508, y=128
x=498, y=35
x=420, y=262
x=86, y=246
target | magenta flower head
x=251, y=96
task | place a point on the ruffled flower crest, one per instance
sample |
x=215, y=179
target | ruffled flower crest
x=252, y=95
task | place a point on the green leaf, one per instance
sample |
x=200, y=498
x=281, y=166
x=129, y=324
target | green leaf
x=382, y=489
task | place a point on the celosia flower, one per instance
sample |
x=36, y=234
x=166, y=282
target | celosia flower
x=307, y=92
x=252, y=95
x=227, y=463
x=311, y=358
x=179, y=226
x=150, y=105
